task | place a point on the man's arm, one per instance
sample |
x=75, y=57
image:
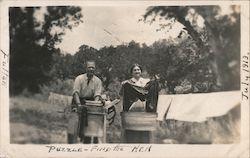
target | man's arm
x=76, y=91
x=76, y=98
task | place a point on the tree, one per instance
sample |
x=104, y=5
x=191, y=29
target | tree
x=32, y=43
x=221, y=32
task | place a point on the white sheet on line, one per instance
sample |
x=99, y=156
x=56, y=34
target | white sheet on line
x=197, y=107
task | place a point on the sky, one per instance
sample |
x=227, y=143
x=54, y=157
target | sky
x=105, y=26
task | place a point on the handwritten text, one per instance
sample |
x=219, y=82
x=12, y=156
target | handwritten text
x=100, y=148
x=4, y=69
x=245, y=77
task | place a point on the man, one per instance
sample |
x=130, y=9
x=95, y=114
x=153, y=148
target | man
x=86, y=87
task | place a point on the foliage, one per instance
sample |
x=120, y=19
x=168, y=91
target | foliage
x=64, y=87
x=222, y=36
x=175, y=62
x=32, y=43
x=201, y=59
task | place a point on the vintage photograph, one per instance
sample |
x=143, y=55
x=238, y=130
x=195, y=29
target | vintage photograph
x=125, y=74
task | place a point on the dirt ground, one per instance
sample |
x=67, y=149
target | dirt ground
x=37, y=122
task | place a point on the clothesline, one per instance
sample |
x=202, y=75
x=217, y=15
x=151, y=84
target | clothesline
x=197, y=107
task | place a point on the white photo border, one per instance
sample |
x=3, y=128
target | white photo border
x=156, y=150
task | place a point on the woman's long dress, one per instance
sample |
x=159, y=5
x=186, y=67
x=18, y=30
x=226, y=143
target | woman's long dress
x=138, y=98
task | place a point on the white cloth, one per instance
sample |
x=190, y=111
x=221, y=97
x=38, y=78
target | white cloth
x=197, y=107
x=141, y=82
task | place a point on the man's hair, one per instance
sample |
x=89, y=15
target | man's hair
x=89, y=61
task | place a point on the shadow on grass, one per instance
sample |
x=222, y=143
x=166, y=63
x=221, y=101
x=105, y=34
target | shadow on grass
x=38, y=119
x=217, y=130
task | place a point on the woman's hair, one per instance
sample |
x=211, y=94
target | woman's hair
x=133, y=66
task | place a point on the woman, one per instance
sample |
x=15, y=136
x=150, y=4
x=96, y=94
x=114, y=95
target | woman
x=139, y=95
x=133, y=92
x=136, y=72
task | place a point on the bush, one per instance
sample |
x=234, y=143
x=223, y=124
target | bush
x=64, y=87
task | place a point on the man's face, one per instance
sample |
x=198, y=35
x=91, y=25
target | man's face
x=90, y=68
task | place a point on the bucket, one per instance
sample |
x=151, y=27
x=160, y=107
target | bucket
x=138, y=127
x=139, y=121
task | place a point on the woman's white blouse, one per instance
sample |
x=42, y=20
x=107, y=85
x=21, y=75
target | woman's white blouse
x=141, y=82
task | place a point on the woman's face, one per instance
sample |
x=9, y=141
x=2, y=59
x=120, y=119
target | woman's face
x=136, y=73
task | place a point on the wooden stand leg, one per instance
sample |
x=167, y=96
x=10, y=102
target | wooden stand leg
x=92, y=140
x=104, y=128
x=72, y=128
x=100, y=140
x=123, y=136
x=151, y=137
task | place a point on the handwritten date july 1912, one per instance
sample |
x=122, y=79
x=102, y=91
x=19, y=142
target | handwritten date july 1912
x=245, y=77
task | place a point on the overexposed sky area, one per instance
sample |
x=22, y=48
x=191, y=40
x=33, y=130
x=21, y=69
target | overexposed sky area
x=105, y=26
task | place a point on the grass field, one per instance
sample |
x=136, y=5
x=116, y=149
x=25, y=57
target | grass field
x=37, y=122
x=34, y=121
